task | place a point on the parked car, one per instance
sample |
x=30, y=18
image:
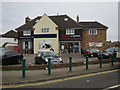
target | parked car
x=118, y=53
x=42, y=57
x=10, y=57
x=108, y=53
x=91, y=52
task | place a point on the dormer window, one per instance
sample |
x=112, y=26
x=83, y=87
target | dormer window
x=26, y=33
x=37, y=20
x=65, y=19
x=93, y=31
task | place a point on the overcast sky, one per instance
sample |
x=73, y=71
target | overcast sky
x=14, y=13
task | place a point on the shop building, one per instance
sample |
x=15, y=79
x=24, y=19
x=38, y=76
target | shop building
x=93, y=35
x=61, y=33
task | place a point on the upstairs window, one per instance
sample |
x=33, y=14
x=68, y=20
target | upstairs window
x=45, y=30
x=15, y=39
x=70, y=31
x=93, y=32
x=25, y=33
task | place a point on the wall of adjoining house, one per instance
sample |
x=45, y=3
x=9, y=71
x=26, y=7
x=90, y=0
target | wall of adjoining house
x=46, y=22
x=100, y=37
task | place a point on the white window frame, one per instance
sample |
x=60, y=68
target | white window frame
x=92, y=31
x=70, y=31
x=26, y=33
x=45, y=30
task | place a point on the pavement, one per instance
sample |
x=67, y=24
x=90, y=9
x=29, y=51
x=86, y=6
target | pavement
x=32, y=76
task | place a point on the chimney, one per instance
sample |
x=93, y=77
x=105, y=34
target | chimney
x=77, y=19
x=57, y=14
x=27, y=19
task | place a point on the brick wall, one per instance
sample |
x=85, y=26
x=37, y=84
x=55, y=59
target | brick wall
x=100, y=37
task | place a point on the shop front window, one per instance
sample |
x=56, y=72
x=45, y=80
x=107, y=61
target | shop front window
x=29, y=46
x=23, y=45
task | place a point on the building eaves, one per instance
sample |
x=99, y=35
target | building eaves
x=58, y=20
x=91, y=24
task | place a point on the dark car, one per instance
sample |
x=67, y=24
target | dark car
x=91, y=52
x=108, y=53
x=10, y=57
x=42, y=57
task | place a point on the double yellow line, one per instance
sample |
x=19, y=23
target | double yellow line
x=57, y=80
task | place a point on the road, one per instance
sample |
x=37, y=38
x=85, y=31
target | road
x=103, y=80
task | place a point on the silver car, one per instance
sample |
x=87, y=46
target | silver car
x=42, y=57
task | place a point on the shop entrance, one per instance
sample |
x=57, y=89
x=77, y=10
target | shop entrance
x=69, y=47
x=27, y=46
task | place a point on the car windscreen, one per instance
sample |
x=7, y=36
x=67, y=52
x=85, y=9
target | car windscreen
x=109, y=50
x=2, y=51
x=118, y=49
x=92, y=50
x=49, y=54
x=11, y=52
x=39, y=52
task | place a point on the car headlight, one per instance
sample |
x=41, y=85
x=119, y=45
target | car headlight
x=38, y=55
x=60, y=59
x=46, y=59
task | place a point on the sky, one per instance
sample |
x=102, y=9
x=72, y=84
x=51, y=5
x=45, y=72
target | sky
x=14, y=13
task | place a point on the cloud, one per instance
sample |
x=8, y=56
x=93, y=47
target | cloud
x=14, y=13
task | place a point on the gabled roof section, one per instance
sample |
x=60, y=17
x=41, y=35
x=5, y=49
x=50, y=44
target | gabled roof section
x=92, y=24
x=29, y=25
x=63, y=21
x=10, y=34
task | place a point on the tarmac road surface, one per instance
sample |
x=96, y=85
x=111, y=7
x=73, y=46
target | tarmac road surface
x=103, y=81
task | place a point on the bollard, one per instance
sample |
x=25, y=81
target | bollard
x=70, y=64
x=86, y=62
x=23, y=67
x=100, y=61
x=112, y=60
x=49, y=66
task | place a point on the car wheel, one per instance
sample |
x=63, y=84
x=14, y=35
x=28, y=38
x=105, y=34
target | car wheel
x=40, y=62
x=98, y=58
x=36, y=61
x=19, y=61
x=44, y=62
x=61, y=61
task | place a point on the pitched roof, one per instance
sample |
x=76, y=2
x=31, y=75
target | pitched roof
x=10, y=34
x=62, y=23
x=94, y=24
x=58, y=20
x=29, y=25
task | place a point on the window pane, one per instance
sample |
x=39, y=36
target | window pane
x=26, y=32
x=70, y=31
x=92, y=31
x=45, y=30
x=23, y=45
